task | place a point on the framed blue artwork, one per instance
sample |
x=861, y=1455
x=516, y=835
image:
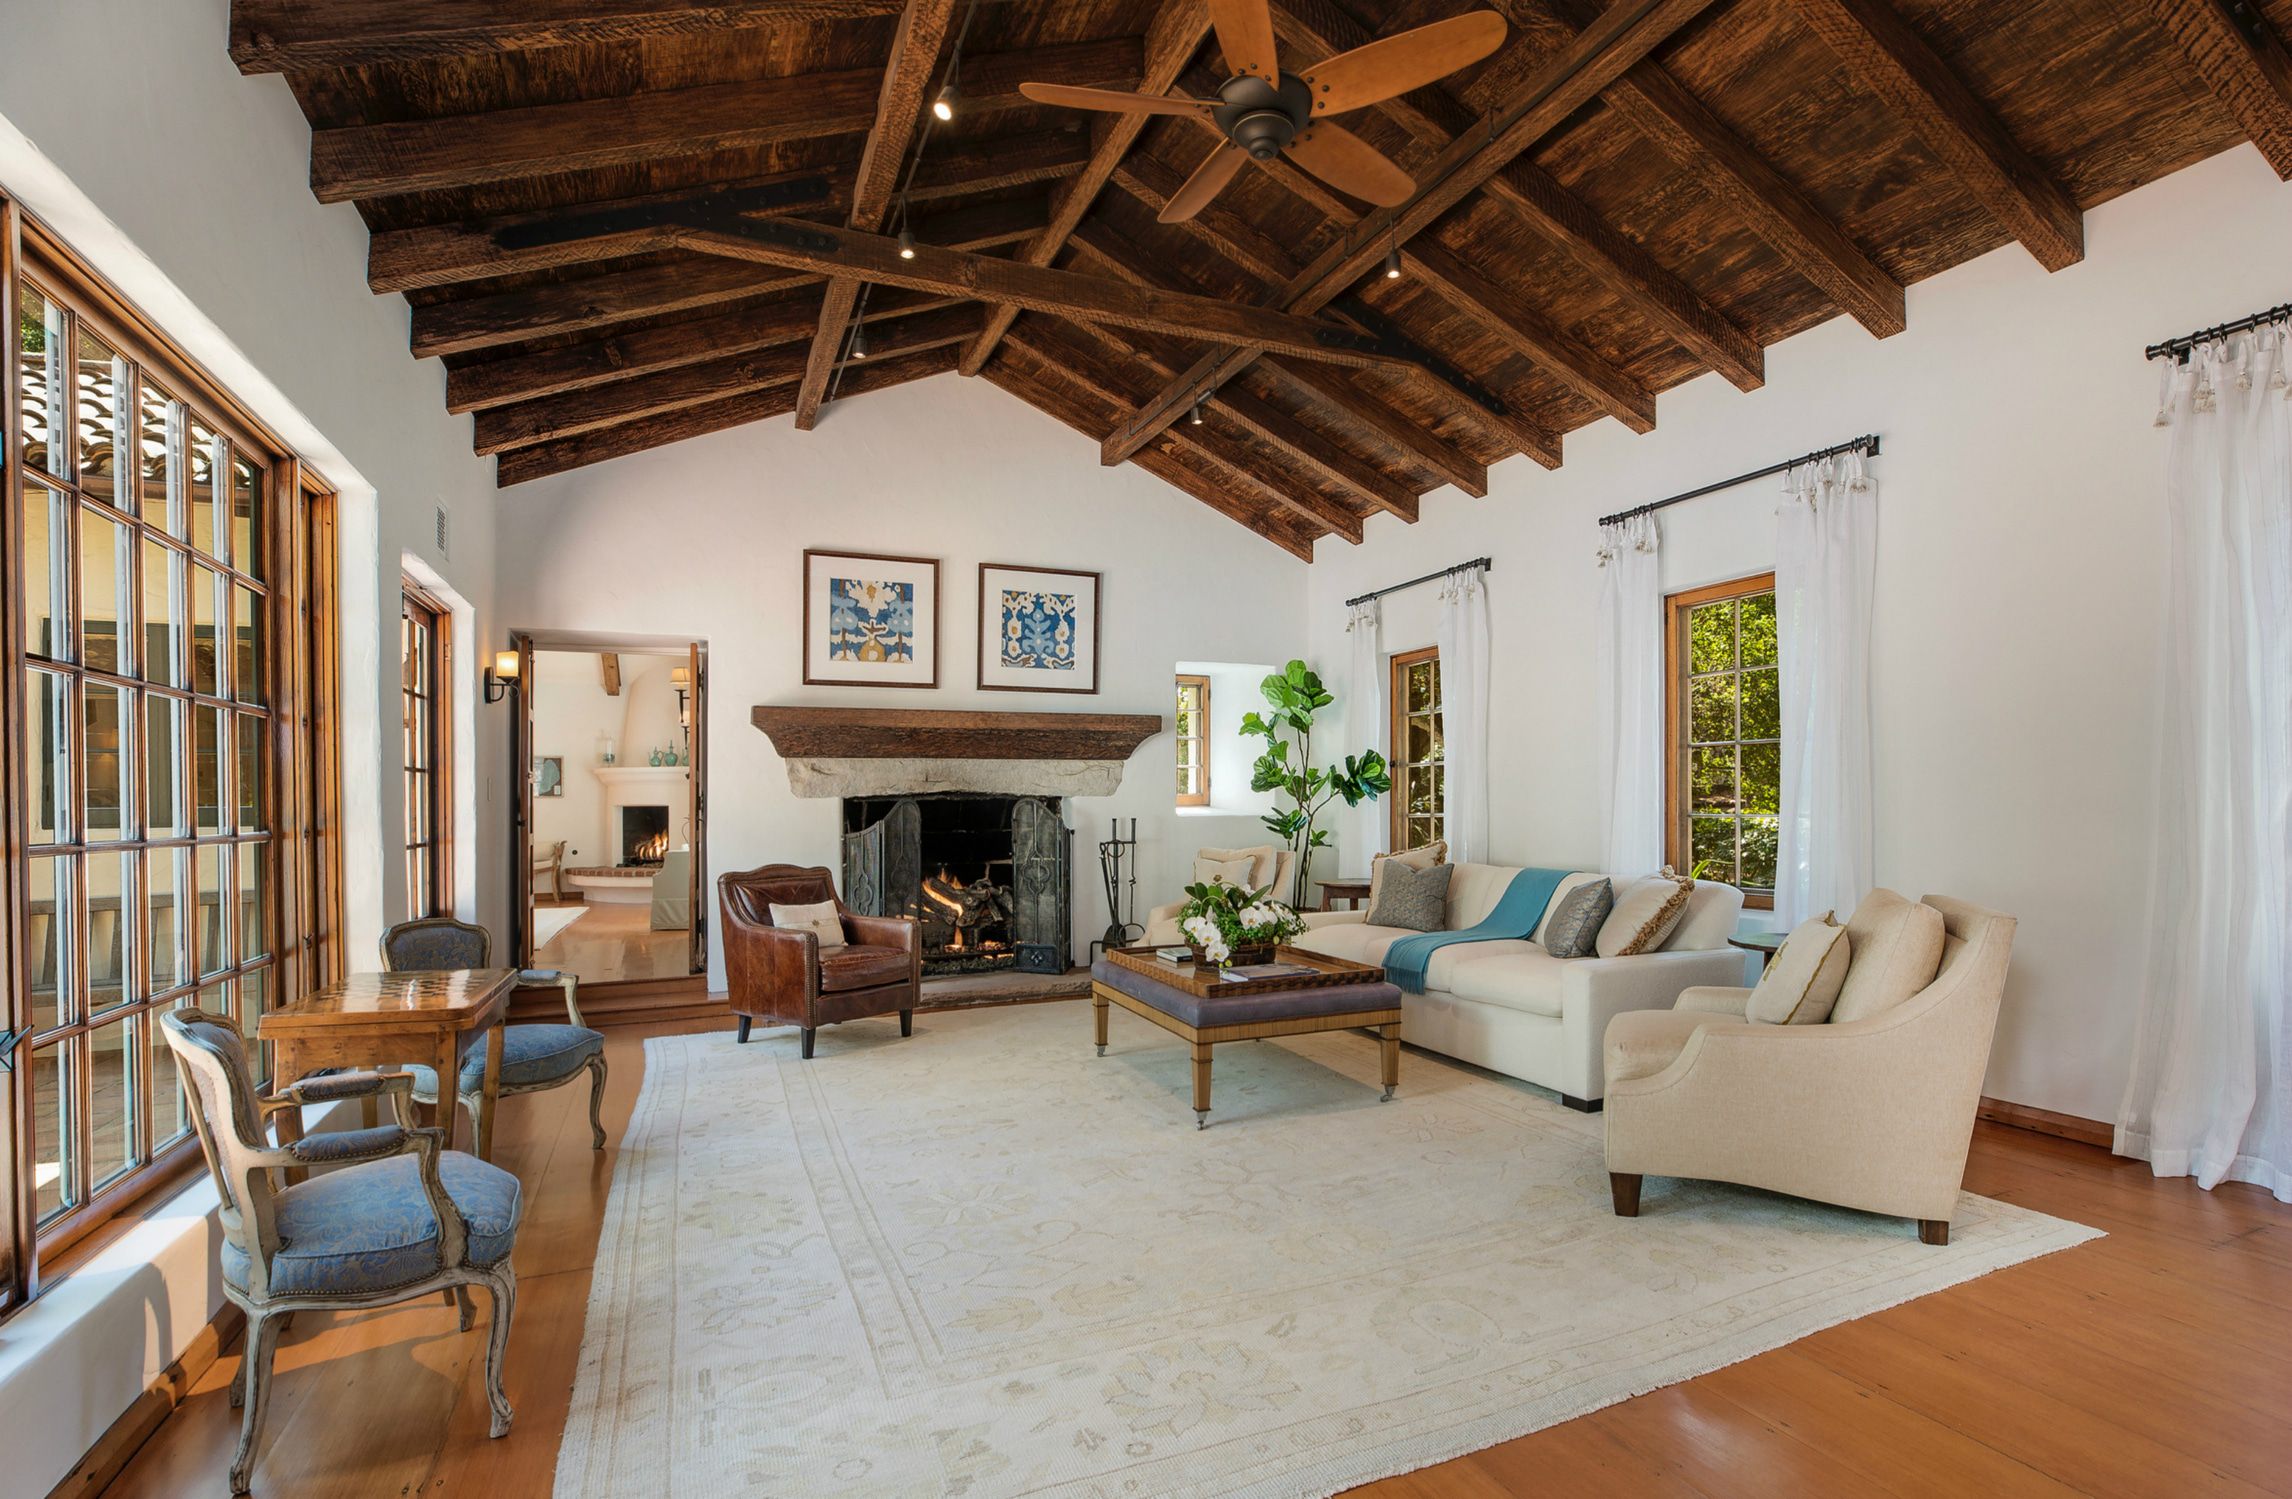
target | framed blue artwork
x=870, y=620
x=1038, y=629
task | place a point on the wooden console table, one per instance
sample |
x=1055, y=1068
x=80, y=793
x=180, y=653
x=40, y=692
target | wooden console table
x=386, y=1020
x=1351, y=891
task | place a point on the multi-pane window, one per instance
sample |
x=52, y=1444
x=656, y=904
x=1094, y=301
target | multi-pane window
x=1193, y=719
x=423, y=699
x=144, y=588
x=1726, y=763
x=1419, y=811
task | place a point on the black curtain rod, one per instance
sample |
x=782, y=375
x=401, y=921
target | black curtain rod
x=2180, y=348
x=1446, y=572
x=1867, y=443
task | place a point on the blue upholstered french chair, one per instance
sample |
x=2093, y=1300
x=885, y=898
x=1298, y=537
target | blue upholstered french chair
x=533, y=1057
x=397, y=1216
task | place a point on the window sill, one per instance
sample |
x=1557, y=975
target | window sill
x=1220, y=811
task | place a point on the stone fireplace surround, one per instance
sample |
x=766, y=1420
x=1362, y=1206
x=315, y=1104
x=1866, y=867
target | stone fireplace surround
x=860, y=752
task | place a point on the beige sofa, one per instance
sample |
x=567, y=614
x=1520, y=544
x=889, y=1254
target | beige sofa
x=1513, y=1008
x=1876, y=1112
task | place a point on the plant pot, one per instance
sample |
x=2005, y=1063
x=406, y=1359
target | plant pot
x=1255, y=952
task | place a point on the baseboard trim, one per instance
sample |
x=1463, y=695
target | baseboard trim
x=109, y=1457
x=2047, y=1122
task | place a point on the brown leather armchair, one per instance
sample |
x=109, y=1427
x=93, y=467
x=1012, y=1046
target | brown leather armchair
x=781, y=977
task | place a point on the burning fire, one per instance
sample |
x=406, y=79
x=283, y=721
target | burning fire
x=653, y=850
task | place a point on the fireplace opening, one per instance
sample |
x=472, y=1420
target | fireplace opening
x=644, y=835
x=984, y=876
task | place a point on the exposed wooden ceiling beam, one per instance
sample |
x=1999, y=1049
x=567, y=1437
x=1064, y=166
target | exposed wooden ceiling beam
x=1176, y=35
x=1416, y=444
x=508, y=317
x=1626, y=32
x=662, y=346
x=898, y=116
x=2244, y=62
x=1882, y=53
x=473, y=250
x=1315, y=29
x=521, y=465
x=365, y=161
x=1096, y=299
x=294, y=36
x=1532, y=335
x=523, y=423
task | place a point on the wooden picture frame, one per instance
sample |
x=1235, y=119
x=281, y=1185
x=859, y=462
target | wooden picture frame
x=1039, y=628
x=871, y=619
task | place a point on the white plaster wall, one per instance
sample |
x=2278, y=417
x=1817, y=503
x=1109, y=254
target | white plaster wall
x=2019, y=592
x=947, y=468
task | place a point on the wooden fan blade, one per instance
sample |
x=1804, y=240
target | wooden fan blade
x=1245, y=36
x=1350, y=164
x=1113, y=101
x=1208, y=179
x=1411, y=59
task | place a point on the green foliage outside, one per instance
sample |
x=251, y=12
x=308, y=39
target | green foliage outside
x=1735, y=763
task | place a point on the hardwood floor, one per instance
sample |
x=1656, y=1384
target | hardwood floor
x=614, y=944
x=2157, y=1361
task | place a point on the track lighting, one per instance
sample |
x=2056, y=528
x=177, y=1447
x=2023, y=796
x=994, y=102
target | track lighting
x=943, y=107
x=1196, y=419
x=1393, y=263
x=859, y=340
x=906, y=243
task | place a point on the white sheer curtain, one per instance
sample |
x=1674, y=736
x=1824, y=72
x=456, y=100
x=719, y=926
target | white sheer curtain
x=1630, y=703
x=1826, y=559
x=1462, y=635
x=1361, y=835
x=2210, y=1094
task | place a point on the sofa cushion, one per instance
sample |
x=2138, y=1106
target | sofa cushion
x=1802, y=982
x=1572, y=927
x=370, y=1228
x=1474, y=891
x=1897, y=950
x=1641, y=1043
x=1713, y=911
x=862, y=967
x=1416, y=899
x=1356, y=941
x=1431, y=854
x=820, y=918
x=1714, y=999
x=1263, y=864
x=1511, y=974
x=1646, y=911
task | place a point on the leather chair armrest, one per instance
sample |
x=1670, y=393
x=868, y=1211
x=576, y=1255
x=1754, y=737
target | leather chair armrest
x=763, y=963
x=901, y=932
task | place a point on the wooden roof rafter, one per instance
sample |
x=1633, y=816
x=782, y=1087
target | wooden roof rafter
x=2244, y=62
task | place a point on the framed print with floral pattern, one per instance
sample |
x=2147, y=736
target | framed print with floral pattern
x=1038, y=629
x=870, y=621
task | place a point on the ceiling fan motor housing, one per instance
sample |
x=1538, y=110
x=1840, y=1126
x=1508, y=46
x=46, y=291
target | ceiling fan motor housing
x=1261, y=117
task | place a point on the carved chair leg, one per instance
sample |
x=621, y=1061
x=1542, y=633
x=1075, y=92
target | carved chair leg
x=255, y=1368
x=597, y=1099
x=504, y=1282
x=1933, y=1230
x=907, y=1022
x=468, y=1305
x=742, y=1038
x=809, y=1033
x=1623, y=1186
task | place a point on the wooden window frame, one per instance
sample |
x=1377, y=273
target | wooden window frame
x=1678, y=845
x=1200, y=740
x=433, y=857
x=1397, y=715
x=299, y=904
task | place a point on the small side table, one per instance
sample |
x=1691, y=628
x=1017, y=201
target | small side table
x=1762, y=943
x=1351, y=891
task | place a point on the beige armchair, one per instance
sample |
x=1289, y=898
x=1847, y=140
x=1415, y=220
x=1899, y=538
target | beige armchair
x=1874, y=1113
x=1276, y=867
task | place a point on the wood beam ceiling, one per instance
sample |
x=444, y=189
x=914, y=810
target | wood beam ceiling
x=1626, y=32
x=368, y=161
x=1532, y=336
x=898, y=117
x=2243, y=61
x=1883, y=54
x=1177, y=34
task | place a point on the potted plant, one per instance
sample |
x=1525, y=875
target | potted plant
x=1293, y=695
x=1227, y=924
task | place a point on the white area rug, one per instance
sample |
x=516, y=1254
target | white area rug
x=984, y=1262
x=550, y=921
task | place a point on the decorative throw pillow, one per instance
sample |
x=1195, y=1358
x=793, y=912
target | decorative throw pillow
x=1897, y=950
x=820, y=919
x=1803, y=978
x=1208, y=871
x=1416, y=899
x=1644, y=914
x=1263, y=861
x=1430, y=856
x=1574, y=930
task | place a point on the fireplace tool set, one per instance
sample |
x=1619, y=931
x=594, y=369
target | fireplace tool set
x=1118, y=867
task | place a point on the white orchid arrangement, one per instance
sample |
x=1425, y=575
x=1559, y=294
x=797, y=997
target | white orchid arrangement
x=1219, y=917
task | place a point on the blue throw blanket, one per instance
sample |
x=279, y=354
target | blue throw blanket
x=1515, y=915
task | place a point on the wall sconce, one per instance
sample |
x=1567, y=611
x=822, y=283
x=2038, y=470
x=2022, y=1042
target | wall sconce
x=502, y=680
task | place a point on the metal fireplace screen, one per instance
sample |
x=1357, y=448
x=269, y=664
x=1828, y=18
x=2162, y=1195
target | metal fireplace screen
x=986, y=876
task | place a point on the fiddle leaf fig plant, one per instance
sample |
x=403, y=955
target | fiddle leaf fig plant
x=1293, y=696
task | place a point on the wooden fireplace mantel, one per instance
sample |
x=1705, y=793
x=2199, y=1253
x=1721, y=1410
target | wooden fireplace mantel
x=952, y=734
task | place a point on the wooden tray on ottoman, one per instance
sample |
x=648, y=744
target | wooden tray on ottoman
x=1203, y=983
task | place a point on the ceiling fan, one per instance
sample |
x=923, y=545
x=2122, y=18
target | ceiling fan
x=1265, y=113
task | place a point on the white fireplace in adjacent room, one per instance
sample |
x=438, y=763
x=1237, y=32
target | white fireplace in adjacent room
x=646, y=812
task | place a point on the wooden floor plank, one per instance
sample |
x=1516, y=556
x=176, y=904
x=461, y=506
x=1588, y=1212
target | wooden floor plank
x=2156, y=1361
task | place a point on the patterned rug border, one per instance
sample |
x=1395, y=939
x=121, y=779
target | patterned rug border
x=668, y=1063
